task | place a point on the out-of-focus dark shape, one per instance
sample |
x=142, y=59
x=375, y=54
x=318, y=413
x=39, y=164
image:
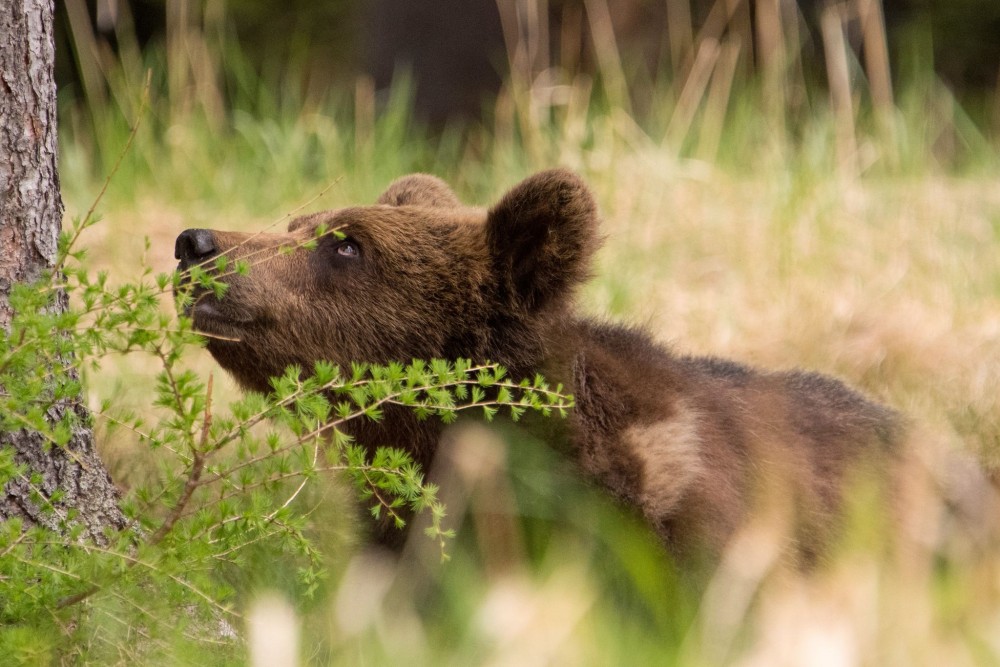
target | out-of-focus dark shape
x=457, y=53
x=452, y=49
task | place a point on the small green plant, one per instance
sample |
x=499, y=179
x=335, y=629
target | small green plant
x=230, y=483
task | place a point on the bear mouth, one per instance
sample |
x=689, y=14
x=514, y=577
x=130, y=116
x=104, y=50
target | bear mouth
x=211, y=316
x=212, y=319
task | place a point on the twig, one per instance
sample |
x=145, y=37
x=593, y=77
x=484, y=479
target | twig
x=194, y=477
x=87, y=219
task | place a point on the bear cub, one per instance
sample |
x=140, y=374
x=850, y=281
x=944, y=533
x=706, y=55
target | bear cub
x=693, y=443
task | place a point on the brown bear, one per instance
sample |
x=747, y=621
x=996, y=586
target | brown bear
x=690, y=442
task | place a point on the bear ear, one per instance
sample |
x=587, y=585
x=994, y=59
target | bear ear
x=419, y=190
x=542, y=235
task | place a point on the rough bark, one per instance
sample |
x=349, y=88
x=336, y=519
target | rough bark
x=30, y=218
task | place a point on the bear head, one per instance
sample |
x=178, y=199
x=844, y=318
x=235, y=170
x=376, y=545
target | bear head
x=416, y=276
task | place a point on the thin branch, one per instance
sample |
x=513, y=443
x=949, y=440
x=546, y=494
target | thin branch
x=131, y=561
x=87, y=219
x=337, y=383
x=301, y=486
x=380, y=499
x=10, y=547
x=239, y=490
x=194, y=477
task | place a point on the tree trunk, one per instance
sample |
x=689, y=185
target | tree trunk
x=30, y=219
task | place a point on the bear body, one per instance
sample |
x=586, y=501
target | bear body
x=694, y=444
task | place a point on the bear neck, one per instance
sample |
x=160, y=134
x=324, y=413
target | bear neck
x=542, y=344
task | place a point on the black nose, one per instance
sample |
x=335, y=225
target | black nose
x=194, y=246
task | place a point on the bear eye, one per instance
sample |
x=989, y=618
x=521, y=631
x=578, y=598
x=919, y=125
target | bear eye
x=348, y=249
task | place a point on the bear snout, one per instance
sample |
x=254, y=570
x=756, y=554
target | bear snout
x=194, y=246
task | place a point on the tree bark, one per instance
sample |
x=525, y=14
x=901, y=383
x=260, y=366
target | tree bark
x=30, y=219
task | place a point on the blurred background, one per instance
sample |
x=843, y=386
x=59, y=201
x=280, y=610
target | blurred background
x=791, y=184
x=872, y=86
x=458, y=53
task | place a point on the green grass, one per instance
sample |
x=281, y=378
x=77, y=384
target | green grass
x=767, y=252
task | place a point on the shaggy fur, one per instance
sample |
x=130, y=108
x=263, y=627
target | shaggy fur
x=692, y=443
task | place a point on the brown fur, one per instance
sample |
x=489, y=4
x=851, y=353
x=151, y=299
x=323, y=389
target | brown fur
x=692, y=443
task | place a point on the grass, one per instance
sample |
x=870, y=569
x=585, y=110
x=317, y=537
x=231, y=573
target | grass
x=751, y=237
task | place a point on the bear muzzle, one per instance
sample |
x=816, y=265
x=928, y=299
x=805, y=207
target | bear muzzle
x=194, y=247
